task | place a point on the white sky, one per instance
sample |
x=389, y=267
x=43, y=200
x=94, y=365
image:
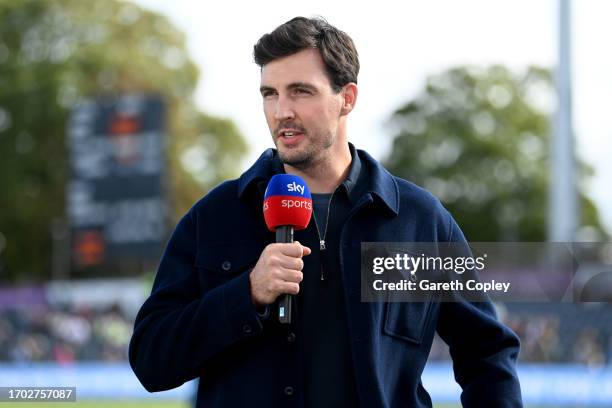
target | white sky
x=400, y=44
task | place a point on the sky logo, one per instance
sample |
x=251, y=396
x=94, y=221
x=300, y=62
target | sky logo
x=296, y=187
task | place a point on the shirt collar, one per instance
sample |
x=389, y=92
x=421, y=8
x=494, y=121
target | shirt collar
x=365, y=175
x=353, y=179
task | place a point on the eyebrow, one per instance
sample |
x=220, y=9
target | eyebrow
x=292, y=85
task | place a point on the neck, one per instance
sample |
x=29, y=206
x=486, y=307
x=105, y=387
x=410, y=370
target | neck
x=326, y=175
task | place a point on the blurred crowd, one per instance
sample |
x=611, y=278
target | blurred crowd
x=64, y=335
x=567, y=333
x=554, y=333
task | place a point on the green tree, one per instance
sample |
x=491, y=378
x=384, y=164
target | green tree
x=54, y=52
x=478, y=138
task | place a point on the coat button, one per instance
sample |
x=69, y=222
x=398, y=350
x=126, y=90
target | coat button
x=226, y=265
x=247, y=329
x=288, y=390
x=291, y=337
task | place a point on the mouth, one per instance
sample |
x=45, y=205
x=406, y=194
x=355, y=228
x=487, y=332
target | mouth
x=290, y=136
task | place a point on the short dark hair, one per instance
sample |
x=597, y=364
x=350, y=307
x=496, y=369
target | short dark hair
x=336, y=47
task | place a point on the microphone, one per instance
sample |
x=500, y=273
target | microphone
x=287, y=207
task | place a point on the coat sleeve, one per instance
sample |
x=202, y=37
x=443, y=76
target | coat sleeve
x=484, y=351
x=178, y=329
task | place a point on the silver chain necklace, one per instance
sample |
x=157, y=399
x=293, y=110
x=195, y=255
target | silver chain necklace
x=322, y=246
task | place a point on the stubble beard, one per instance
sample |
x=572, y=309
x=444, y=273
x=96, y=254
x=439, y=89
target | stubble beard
x=308, y=156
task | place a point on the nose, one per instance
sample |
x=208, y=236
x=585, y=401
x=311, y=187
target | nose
x=283, y=109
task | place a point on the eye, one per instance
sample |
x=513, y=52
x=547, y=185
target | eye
x=302, y=91
x=267, y=93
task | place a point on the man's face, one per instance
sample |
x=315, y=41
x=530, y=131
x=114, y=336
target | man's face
x=302, y=110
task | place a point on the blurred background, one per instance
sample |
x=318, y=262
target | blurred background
x=116, y=116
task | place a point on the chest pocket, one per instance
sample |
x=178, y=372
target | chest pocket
x=410, y=320
x=407, y=321
x=217, y=264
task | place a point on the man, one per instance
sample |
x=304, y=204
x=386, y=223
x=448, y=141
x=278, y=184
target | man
x=209, y=315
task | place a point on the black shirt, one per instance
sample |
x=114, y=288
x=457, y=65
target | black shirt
x=329, y=379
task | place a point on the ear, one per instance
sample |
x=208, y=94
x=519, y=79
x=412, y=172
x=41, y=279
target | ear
x=349, y=98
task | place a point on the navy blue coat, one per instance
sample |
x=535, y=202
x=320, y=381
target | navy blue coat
x=199, y=320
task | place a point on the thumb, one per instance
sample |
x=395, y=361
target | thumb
x=305, y=249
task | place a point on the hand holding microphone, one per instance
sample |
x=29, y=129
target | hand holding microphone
x=287, y=206
x=278, y=271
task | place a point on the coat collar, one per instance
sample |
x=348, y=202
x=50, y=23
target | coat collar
x=377, y=181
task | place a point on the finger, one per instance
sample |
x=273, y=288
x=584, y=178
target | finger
x=289, y=262
x=290, y=288
x=294, y=249
x=290, y=275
